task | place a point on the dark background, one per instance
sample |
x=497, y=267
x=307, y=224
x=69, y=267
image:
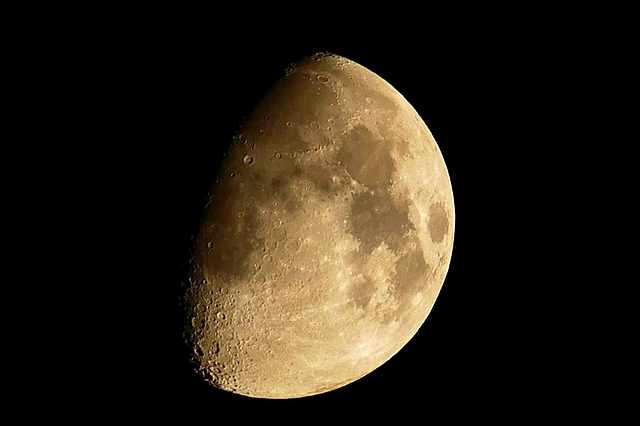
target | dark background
x=164, y=106
x=122, y=115
x=472, y=346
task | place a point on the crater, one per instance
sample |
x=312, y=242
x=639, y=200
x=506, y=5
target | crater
x=438, y=222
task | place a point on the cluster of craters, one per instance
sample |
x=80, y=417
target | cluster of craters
x=320, y=233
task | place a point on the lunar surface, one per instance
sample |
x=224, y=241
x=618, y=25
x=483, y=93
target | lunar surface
x=325, y=240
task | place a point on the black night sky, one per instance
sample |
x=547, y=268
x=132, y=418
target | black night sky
x=181, y=98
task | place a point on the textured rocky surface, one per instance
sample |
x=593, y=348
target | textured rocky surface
x=326, y=239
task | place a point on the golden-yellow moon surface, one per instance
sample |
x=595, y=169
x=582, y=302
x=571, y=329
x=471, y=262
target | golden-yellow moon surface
x=325, y=240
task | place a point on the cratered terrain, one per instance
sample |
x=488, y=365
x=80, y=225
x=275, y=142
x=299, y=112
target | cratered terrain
x=325, y=239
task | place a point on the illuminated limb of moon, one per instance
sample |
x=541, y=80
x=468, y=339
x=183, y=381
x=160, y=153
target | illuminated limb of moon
x=326, y=240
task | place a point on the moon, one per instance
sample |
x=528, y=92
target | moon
x=325, y=240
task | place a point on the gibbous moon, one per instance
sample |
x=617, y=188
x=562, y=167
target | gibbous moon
x=325, y=240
